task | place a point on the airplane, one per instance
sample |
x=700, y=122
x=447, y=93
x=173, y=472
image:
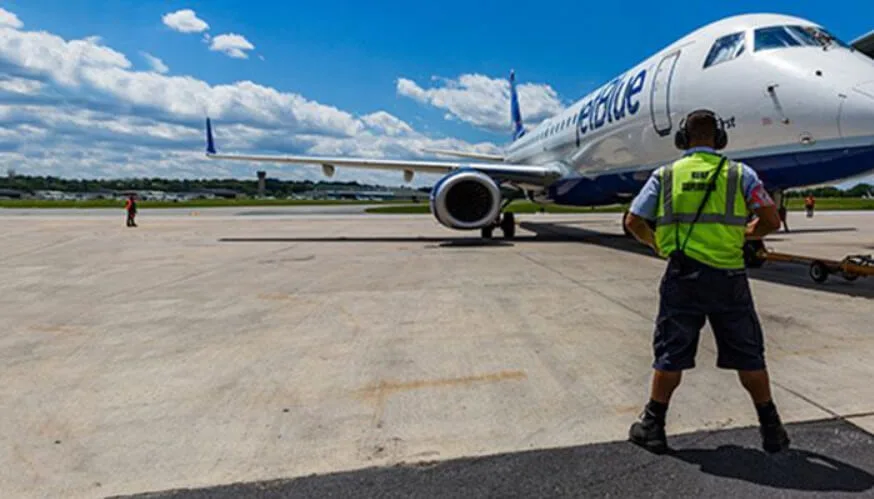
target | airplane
x=797, y=104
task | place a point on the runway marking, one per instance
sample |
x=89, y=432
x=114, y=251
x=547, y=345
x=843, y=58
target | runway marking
x=55, y=329
x=276, y=296
x=383, y=389
x=386, y=387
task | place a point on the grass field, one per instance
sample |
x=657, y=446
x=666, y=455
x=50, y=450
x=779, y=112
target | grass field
x=515, y=207
x=391, y=208
x=529, y=207
x=201, y=203
x=834, y=204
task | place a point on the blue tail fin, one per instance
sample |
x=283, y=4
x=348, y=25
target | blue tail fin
x=210, y=143
x=515, y=113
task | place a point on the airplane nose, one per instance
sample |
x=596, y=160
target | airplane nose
x=856, y=117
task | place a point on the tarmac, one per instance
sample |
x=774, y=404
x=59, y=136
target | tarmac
x=275, y=352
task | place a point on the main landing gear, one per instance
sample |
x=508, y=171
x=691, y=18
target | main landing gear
x=780, y=200
x=506, y=222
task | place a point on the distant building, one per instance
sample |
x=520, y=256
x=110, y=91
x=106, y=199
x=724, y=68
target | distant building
x=11, y=194
x=368, y=195
x=221, y=193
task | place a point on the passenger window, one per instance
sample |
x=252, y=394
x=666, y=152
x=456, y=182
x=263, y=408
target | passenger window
x=725, y=49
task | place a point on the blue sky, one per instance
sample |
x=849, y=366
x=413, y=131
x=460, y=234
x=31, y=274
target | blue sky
x=325, y=77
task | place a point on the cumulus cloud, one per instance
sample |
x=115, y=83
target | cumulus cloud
x=185, y=21
x=232, y=44
x=483, y=101
x=156, y=64
x=9, y=19
x=384, y=122
x=79, y=108
x=20, y=85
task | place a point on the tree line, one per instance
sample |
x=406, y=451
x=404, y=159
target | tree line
x=857, y=191
x=273, y=187
x=276, y=187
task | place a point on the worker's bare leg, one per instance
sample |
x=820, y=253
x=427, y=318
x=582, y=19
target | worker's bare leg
x=757, y=384
x=663, y=385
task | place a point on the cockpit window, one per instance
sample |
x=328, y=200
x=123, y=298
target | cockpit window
x=794, y=36
x=725, y=49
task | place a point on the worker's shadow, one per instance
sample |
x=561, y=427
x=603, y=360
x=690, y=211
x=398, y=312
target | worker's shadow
x=793, y=469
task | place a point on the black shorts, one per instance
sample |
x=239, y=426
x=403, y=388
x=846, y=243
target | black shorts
x=720, y=296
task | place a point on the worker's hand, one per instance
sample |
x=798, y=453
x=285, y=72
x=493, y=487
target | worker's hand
x=750, y=231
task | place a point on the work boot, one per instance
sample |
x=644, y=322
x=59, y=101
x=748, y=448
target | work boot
x=774, y=437
x=649, y=433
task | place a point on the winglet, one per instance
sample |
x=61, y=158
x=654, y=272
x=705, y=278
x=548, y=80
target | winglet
x=515, y=113
x=210, y=143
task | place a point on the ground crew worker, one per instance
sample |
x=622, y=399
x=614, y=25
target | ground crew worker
x=809, y=204
x=130, y=207
x=705, y=275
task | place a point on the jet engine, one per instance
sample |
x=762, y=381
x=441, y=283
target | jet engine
x=466, y=200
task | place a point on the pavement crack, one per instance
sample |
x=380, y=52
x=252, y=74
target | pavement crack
x=808, y=400
x=583, y=285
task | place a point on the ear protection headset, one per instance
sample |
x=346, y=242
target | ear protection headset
x=720, y=138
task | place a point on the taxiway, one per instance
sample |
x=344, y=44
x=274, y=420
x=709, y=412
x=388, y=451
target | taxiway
x=200, y=350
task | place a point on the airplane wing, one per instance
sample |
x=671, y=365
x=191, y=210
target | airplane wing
x=461, y=154
x=865, y=44
x=504, y=172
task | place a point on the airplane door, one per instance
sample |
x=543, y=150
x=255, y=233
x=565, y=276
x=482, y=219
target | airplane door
x=660, y=95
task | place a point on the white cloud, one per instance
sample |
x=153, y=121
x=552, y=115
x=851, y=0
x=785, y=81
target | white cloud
x=20, y=85
x=484, y=102
x=157, y=64
x=232, y=44
x=78, y=108
x=185, y=21
x=384, y=122
x=9, y=19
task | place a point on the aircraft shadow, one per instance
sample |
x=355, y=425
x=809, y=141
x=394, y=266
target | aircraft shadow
x=440, y=241
x=819, y=230
x=793, y=470
x=779, y=273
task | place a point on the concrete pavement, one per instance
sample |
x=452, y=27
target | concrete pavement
x=201, y=351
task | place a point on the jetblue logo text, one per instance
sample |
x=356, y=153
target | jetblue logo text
x=612, y=102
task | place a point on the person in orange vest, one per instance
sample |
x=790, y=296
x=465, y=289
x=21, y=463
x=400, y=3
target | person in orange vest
x=131, y=207
x=809, y=204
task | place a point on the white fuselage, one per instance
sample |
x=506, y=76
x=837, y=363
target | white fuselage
x=776, y=102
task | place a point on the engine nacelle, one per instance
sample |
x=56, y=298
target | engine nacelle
x=466, y=200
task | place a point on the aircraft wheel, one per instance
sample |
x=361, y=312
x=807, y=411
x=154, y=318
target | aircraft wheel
x=508, y=225
x=487, y=232
x=818, y=272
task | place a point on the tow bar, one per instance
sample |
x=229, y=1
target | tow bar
x=850, y=268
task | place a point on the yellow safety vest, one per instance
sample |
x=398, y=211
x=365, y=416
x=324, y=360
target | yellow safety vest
x=717, y=238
